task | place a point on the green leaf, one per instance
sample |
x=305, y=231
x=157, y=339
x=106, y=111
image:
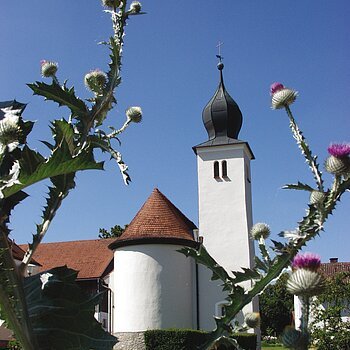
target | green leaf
x=113, y=73
x=9, y=203
x=63, y=131
x=202, y=257
x=58, y=164
x=62, y=95
x=246, y=275
x=259, y=264
x=62, y=314
x=30, y=160
x=299, y=186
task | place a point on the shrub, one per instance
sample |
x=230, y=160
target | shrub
x=173, y=339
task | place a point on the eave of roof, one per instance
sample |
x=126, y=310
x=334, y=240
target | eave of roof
x=223, y=141
x=330, y=269
x=158, y=222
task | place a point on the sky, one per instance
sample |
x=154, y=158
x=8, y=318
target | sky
x=169, y=69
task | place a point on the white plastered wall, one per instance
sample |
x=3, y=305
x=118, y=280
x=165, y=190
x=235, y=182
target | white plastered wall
x=152, y=287
x=225, y=218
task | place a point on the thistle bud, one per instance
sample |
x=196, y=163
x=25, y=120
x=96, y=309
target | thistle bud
x=293, y=338
x=304, y=282
x=48, y=68
x=135, y=7
x=10, y=132
x=317, y=197
x=282, y=96
x=338, y=162
x=96, y=81
x=260, y=230
x=252, y=319
x=134, y=114
x=337, y=166
x=111, y=3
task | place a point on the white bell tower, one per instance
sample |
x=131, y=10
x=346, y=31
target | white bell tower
x=225, y=204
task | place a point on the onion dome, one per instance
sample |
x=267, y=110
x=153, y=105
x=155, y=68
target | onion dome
x=158, y=222
x=222, y=117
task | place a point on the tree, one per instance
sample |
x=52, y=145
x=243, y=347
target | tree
x=276, y=306
x=328, y=329
x=115, y=231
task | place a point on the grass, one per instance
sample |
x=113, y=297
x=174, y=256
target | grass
x=276, y=347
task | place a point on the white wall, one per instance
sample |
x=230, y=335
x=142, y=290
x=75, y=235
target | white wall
x=225, y=219
x=152, y=288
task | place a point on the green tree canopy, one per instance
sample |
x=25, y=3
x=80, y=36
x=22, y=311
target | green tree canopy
x=329, y=331
x=115, y=231
x=276, y=306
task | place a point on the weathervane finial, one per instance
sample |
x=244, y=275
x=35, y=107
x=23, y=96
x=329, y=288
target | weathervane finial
x=219, y=56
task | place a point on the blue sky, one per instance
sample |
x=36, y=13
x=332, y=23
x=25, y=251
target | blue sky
x=169, y=69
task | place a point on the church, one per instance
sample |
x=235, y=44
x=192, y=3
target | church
x=149, y=284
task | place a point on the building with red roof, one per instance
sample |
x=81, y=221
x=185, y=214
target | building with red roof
x=149, y=284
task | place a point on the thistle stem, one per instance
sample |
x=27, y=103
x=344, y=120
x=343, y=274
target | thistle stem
x=12, y=297
x=300, y=139
x=49, y=214
x=282, y=261
x=119, y=131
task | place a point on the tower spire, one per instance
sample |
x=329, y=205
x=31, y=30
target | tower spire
x=222, y=117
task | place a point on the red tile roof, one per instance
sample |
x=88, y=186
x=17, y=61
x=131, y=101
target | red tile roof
x=90, y=257
x=158, y=221
x=330, y=269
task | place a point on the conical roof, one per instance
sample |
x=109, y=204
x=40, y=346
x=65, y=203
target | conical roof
x=158, y=222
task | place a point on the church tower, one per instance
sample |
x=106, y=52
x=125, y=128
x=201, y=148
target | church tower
x=225, y=204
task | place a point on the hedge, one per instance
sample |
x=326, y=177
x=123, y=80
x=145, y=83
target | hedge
x=187, y=339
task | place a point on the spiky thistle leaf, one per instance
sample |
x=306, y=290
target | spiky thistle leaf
x=62, y=314
x=62, y=95
x=299, y=186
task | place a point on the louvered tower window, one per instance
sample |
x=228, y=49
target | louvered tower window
x=224, y=168
x=216, y=169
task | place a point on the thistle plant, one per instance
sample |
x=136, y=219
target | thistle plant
x=32, y=309
x=305, y=282
x=280, y=254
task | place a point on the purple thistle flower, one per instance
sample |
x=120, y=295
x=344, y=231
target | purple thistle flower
x=307, y=261
x=339, y=150
x=275, y=87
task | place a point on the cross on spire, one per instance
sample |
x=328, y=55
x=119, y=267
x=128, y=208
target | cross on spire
x=219, y=49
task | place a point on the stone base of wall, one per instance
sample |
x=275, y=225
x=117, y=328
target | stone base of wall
x=130, y=341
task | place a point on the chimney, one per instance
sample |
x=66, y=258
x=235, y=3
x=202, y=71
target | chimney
x=333, y=260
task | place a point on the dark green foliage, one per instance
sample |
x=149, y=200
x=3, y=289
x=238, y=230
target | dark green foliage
x=246, y=341
x=188, y=339
x=276, y=306
x=61, y=314
x=14, y=345
x=328, y=330
x=173, y=339
x=115, y=231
